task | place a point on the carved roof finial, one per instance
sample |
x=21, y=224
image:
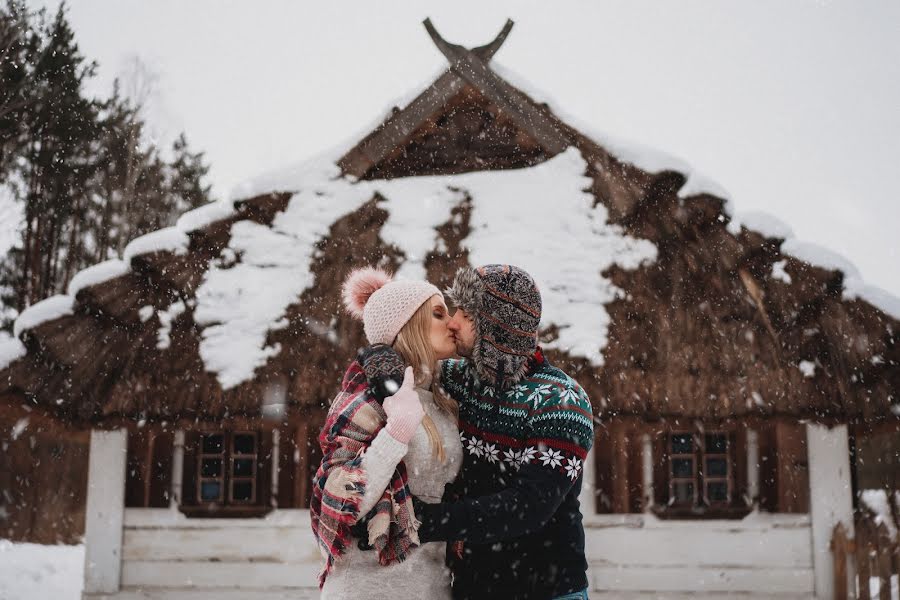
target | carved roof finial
x=484, y=52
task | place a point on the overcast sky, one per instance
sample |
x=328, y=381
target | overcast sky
x=793, y=107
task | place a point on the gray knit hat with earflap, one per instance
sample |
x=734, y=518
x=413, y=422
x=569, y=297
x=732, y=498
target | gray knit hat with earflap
x=505, y=303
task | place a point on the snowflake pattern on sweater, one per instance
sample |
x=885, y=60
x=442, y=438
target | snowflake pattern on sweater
x=545, y=419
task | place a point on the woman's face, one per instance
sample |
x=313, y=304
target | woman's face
x=440, y=336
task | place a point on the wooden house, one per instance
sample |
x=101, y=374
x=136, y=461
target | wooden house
x=730, y=368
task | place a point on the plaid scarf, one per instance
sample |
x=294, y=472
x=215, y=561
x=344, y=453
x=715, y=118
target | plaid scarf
x=353, y=421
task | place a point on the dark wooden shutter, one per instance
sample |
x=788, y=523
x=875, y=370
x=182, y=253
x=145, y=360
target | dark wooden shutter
x=793, y=475
x=264, y=460
x=189, y=469
x=603, y=471
x=737, y=442
x=620, y=460
x=661, y=469
x=135, y=466
x=287, y=469
x=311, y=457
x=160, y=485
x=768, y=468
x=635, y=470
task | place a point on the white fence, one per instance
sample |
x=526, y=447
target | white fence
x=166, y=555
x=765, y=554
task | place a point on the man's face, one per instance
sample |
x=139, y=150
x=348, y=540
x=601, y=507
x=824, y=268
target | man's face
x=462, y=326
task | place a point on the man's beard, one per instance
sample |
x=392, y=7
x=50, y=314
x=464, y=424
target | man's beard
x=462, y=350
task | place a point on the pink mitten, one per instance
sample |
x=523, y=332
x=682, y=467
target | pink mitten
x=404, y=410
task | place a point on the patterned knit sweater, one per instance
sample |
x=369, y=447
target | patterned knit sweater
x=517, y=504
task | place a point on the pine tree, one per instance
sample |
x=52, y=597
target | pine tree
x=185, y=181
x=87, y=175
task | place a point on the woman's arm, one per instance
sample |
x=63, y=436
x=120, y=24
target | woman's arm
x=379, y=463
x=404, y=414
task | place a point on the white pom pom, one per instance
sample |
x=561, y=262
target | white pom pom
x=359, y=287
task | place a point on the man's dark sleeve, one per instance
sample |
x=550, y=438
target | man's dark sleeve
x=523, y=508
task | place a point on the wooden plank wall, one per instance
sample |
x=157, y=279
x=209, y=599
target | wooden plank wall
x=43, y=485
x=783, y=468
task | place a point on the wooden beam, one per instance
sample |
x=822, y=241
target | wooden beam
x=105, y=511
x=301, y=465
x=620, y=469
x=399, y=126
x=830, y=502
x=487, y=51
x=527, y=116
x=646, y=472
x=374, y=148
x=177, y=469
x=396, y=129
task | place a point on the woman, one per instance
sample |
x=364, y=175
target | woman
x=376, y=454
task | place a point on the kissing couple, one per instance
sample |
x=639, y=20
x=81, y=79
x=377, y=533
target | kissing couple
x=448, y=477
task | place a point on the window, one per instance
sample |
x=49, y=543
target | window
x=227, y=473
x=700, y=472
x=227, y=467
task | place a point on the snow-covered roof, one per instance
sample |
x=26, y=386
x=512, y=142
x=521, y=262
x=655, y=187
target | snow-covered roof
x=172, y=239
x=554, y=230
x=544, y=218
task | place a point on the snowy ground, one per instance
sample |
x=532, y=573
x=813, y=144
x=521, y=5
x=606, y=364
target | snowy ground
x=32, y=571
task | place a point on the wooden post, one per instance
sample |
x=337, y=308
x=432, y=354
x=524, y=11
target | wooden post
x=301, y=463
x=620, y=469
x=883, y=552
x=863, y=549
x=647, y=471
x=147, y=464
x=177, y=468
x=276, y=452
x=105, y=511
x=753, y=467
x=588, y=496
x=896, y=556
x=839, y=545
x=830, y=501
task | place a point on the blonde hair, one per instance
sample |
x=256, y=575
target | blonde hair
x=414, y=345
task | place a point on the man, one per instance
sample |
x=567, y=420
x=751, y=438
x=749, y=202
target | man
x=526, y=429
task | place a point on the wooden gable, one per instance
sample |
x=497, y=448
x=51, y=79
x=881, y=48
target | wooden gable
x=468, y=119
x=470, y=133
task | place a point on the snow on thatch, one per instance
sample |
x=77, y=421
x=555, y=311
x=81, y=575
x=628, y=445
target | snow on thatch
x=541, y=218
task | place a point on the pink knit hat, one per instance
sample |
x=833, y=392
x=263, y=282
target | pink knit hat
x=382, y=303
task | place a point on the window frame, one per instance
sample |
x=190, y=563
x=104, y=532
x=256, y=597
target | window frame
x=701, y=506
x=673, y=456
x=226, y=505
x=705, y=478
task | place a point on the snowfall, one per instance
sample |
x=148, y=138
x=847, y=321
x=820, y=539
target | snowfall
x=247, y=290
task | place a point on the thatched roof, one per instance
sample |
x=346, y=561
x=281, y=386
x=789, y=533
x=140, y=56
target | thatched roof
x=713, y=321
